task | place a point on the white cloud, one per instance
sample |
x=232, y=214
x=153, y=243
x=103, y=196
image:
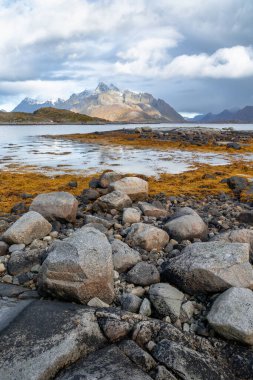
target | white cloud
x=234, y=62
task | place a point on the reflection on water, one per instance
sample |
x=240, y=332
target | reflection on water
x=24, y=145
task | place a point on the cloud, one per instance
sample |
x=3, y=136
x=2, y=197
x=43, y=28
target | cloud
x=235, y=62
x=51, y=47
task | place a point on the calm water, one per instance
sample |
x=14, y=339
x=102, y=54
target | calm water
x=26, y=146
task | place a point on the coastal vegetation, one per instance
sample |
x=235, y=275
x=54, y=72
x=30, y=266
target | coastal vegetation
x=48, y=115
x=145, y=141
x=199, y=182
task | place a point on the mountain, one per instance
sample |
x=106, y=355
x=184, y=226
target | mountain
x=48, y=116
x=30, y=105
x=108, y=102
x=235, y=115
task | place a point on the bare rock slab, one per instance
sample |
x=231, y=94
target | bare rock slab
x=210, y=267
x=110, y=363
x=46, y=337
x=79, y=268
x=231, y=315
x=186, y=224
x=187, y=363
x=29, y=227
x=56, y=205
x=147, y=237
x=136, y=188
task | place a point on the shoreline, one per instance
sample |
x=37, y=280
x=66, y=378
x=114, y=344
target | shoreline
x=202, y=181
x=162, y=140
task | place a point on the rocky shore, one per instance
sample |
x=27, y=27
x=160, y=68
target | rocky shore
x=117, y=284
x=226, y=140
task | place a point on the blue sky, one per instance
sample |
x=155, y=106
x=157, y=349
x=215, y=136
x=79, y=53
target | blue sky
x=195, y=54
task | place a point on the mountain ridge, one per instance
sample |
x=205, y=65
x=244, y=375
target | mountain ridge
x=110, y=103
x=244, y=115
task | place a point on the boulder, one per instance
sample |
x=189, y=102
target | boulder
x=98, y=220
x=130, y=302
x=107, y=178
x=147, y=237
x=231, y=315
x=145, y=308
x=167, y=300
x=79, y=268
x=152, y=211
x=246, y=217
x=136, y=188
x=27, y=228
x=3, y=248
x=237, y=236
x=186, y=224
x=114, y=200
x=210, y=267
x=143, y=274
x=237, y=184
x=56, y=205
x=21, y=262
x=131, y=215
x=123, y=256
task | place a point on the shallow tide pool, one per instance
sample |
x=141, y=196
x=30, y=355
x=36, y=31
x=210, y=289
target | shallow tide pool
x=24, y=146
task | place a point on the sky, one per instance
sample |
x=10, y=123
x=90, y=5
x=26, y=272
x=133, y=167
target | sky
x=197, y=55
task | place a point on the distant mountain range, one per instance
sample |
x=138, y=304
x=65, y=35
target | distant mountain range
x=244, y=115
x=108, y=102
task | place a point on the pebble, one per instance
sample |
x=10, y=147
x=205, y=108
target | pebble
x=7, y=279
x=16, y=247
x=2, y=268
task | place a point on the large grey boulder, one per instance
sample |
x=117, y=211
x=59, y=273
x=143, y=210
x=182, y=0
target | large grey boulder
x=166, y=299
x=147, y=237
x=231, y=315
x=43, y=337
x=136, y=188
x=79, y=268
x=237, y=236
x=152, y=211
x=29, y=227
x=186, y=224
x=56, y=205
x=210, y=267
x=143, y=274
x=114, y=200
x=123, y=256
